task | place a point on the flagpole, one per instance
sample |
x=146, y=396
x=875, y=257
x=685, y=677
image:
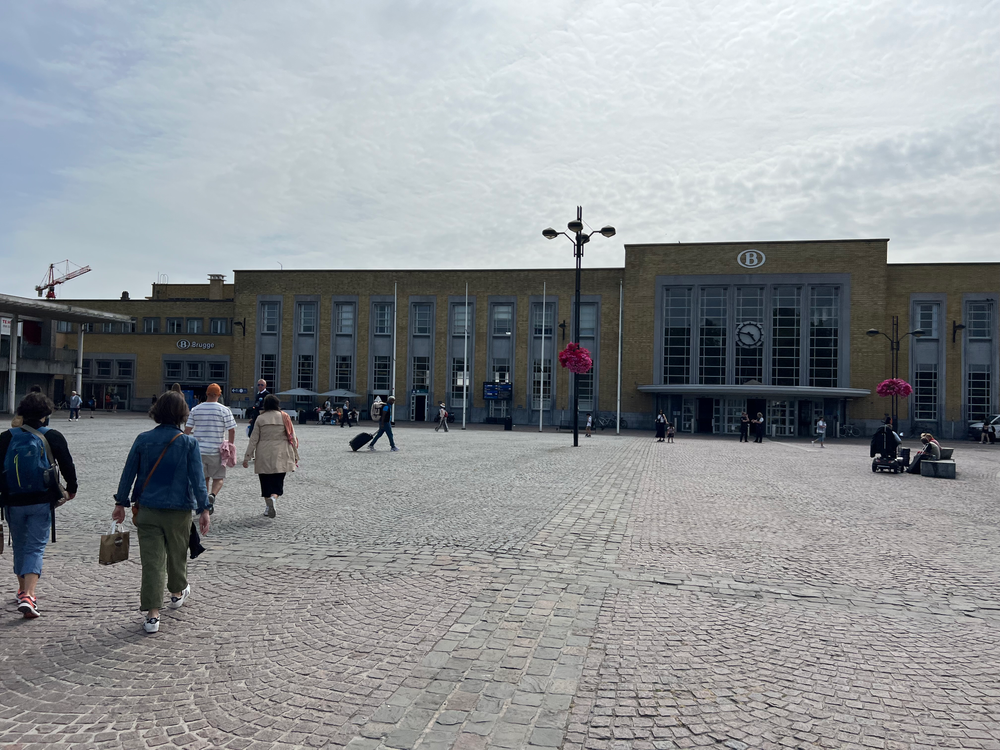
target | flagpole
x=621, y=305
x=541, y=372
x=392, y=386
x=465, y=361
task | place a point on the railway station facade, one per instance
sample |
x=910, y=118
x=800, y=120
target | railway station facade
x=706, y=331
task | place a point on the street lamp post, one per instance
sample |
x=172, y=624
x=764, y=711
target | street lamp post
x=894, y=340
x=579, y=239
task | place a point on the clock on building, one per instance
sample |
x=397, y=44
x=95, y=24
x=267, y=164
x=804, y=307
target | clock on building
x=749, y=334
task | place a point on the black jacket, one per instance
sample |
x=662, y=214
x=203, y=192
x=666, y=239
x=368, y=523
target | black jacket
x=60, y=452
x=884, y=442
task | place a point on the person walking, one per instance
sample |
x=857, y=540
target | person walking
x=75, y=402
x=163, y=476
x=670, y=432
x=212, y=423
x=590, y=424
x=661, y=426
x=273, y=448
x=28, y=498
x=92, y=403
x=385, y=425
x=744, y=427
x=759, y=428
x=258, y=403
x=442, y=417
x=820, y=432
x=115, y=401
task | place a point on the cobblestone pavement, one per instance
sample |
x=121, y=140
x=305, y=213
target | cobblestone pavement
x=487, y=589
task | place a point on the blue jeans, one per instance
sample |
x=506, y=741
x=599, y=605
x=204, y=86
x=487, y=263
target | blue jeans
x=74, y=413
x=29, y=531
x=387, y=429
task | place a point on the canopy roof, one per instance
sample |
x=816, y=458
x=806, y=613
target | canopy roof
x=39, y=309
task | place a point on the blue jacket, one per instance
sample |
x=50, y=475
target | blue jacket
x=179, y=481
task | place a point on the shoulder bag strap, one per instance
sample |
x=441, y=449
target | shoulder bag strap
x=151, y=471
x=41, y=436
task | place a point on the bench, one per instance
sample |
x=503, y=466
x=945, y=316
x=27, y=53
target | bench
x=943, y=469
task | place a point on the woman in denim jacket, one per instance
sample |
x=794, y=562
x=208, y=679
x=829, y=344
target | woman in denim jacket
x=166, y=493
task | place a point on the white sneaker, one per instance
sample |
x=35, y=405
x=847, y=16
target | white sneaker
x=371, y=447
x=177, y=601
x=394, y=448
x=151, y=625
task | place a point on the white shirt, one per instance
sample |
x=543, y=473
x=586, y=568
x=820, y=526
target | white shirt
x=821, y=426
x=209, y=422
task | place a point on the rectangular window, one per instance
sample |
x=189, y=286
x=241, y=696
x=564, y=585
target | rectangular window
x=219, y=326
x=925, y=392
x=175, y=325
x=195, y=325
x=194, y=371
x=586, y=392
x=979, y=320
x=125, y=369
x=749, y=335
x=383, y=319
x=501, y=370
x=269, y=369
x=86, y=368
x=421, y=320
x=927, y=319
x=345, y=318
x=130, y=326
x=421, y=373
x=541, y=385
x=217, y=371
x=107, y=327
x=64, y=326
x=307, y=318
x=305, y=372
x=173, y=370
x=979, y=383
x=460, y=318
x=458, y=376
x=677, y=336
x=150, y=325
x=588, y=320
x=87, y=327
x=542, y=325
x=824, y=335
x=712, y=341
x=103, y=368
x=381, y=373
x=786, y=325
x=503, y=320
x=268, y=317
x=343, y=372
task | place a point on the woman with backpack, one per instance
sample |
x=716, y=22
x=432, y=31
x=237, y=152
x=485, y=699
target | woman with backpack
x=163, y=476
x=29, y=491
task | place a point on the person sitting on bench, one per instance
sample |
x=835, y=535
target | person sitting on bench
x=931, y=452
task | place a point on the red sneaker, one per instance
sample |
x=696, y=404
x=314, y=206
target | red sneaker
x=28, y=606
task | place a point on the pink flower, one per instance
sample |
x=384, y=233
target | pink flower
x=575, y=359
x=894, y=387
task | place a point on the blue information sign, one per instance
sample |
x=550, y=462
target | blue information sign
x=497, y=392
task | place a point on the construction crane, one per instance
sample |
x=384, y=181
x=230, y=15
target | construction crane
x=59, y=273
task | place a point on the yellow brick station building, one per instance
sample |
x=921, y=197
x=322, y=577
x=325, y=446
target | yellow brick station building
x=708, y=330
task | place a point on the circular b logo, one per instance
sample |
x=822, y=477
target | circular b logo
x=183, y=344
x=751, y=258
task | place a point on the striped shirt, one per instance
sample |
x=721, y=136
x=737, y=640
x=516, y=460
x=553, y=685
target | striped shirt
x=209, y=422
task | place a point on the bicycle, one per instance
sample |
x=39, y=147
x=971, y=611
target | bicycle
x=849, y=431
x=609, y=421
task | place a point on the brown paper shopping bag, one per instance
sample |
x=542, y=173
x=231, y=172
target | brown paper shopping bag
x=114, y=545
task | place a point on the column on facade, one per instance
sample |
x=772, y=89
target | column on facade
x=12, y=366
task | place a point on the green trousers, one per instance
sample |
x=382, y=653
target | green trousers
x=163, y=547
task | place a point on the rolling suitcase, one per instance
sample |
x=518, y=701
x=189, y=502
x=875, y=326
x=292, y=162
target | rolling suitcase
x=360, y=441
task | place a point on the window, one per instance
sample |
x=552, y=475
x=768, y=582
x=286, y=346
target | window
x=175, y=325
x=268, y=317
x=87, y=327
x=307, y=318
x=125, y=369
x=219, y=326
x=217, y=371
x=305, y=372
x=345, y=318
x=103, y=368
x=130, y=326
x=421, y=320
x=195, y=325
x=824, y=335
x=269, y=369
x=785, y=326
x=925, y=392
x=64, y=326
x=86, y=368
x=107, y=327
x=927, y=319
x=978, y=387
x=677, y=336
x=343, y=372
x=383, y=319
x=501, y=370
x=749, y=335
x=150, y=325
x=979, y=320
x=461, y=320
x=588, y=320
x=381, y=373
x=173, y=370
x=458, y=381
x=421, y=373
x=540, y=327
x=585, y=394
x=541, y=385
x=712, y=341
x=194, y=371
x=503, y=320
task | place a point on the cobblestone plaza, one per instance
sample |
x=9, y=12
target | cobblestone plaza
x=488, y=589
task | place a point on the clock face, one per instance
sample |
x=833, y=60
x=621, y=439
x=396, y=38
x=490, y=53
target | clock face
x=749, y=334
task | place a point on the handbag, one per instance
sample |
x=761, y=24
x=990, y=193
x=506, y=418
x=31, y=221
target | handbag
x=114, y=545
x=135, y=503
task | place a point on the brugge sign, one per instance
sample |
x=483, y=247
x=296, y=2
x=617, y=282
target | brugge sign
x=189, y=344
x=751, y=259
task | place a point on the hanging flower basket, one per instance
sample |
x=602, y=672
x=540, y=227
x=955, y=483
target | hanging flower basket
x=576, y=359
x=894, y=387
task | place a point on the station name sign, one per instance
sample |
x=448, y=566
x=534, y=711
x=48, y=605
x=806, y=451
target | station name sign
x=189, y=344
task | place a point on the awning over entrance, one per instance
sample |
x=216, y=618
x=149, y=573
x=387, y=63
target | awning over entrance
x=756, y=391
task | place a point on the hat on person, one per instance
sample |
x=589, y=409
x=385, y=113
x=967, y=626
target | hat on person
x=213, y=390
x=392, y=398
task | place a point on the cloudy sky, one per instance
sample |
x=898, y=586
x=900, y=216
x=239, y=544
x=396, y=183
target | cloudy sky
x=187, y=138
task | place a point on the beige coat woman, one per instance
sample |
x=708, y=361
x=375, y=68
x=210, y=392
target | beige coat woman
x=269, y=447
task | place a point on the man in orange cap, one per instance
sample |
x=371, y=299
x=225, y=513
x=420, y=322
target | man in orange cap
x=208, y=423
